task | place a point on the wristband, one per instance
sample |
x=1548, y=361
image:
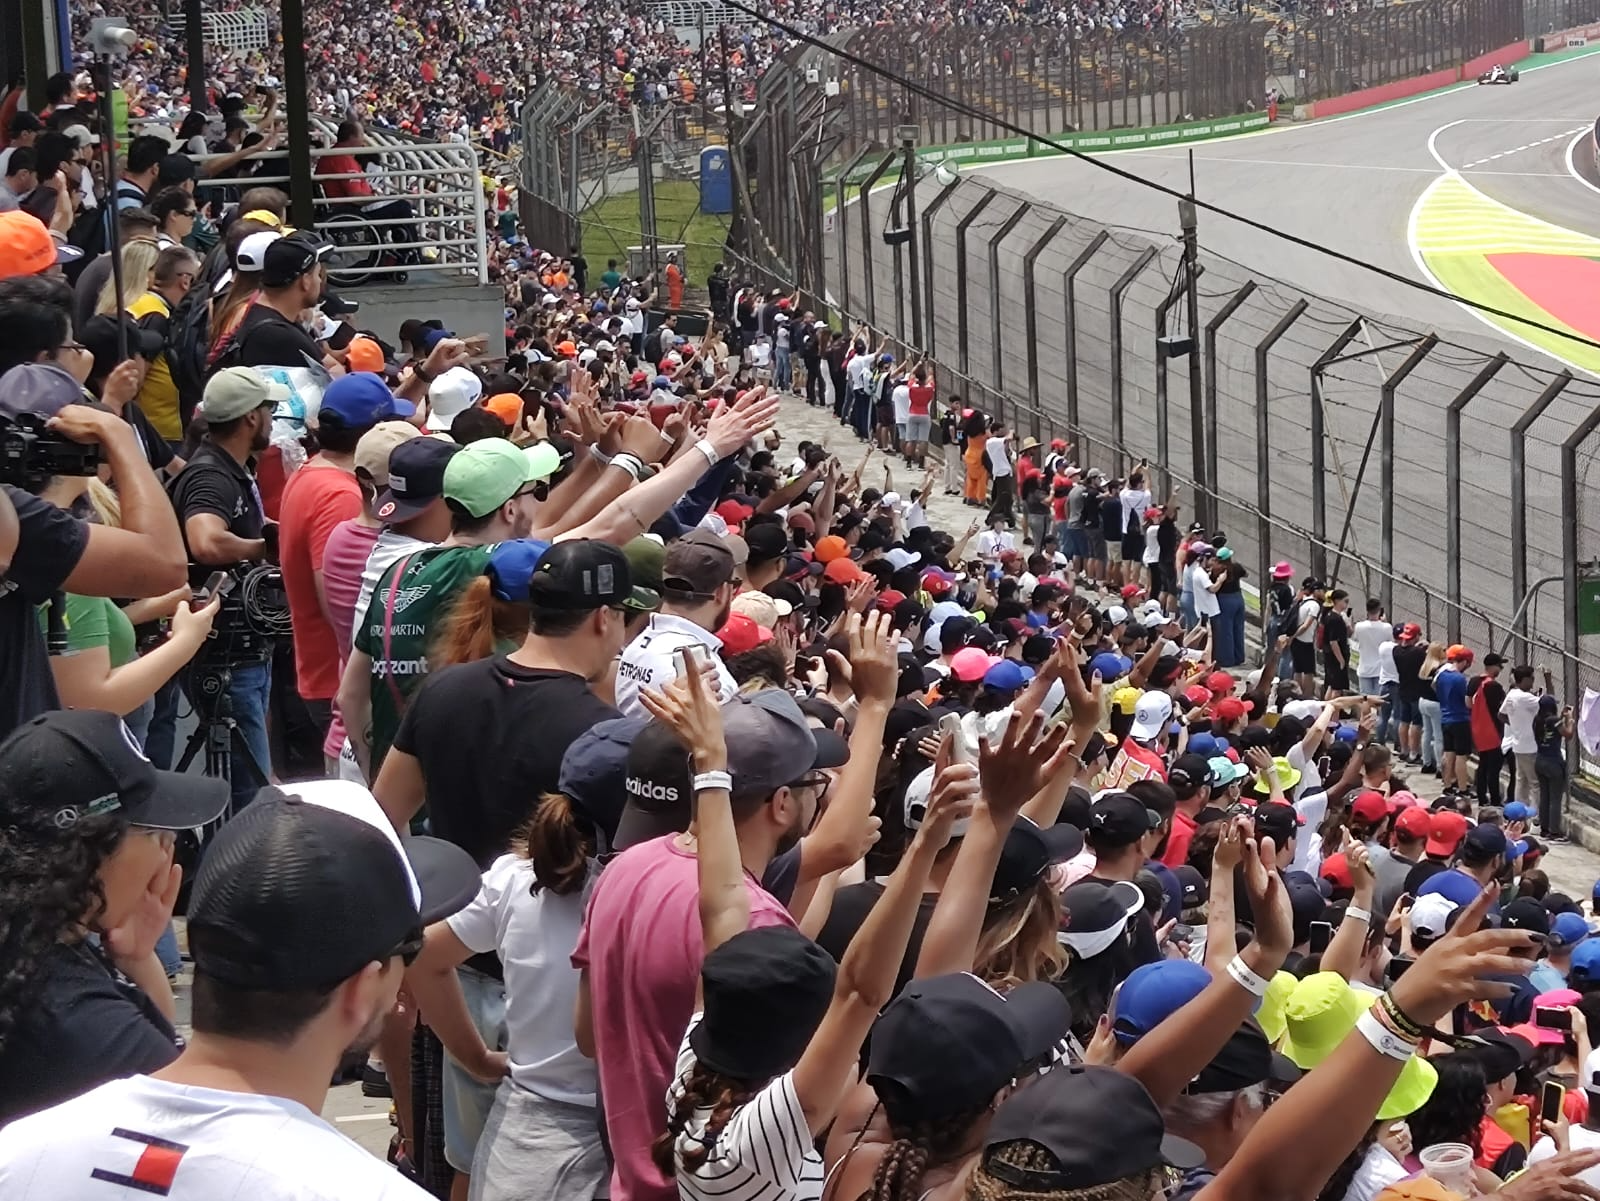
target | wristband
x=1246, y=979
x=422, y=373
x=704, y=447
x=707, y=780
x=1364, y=915
x=632, y=464
x=600, y=456
x=1384, y=1041
x=1398, y=1019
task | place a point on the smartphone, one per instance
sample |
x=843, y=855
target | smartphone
x=218, y=583
x=696, y=652
x=1550, y=1101
x=1552, y=1019
x=1321, y=936
x=960, y=752
x=1397, y=968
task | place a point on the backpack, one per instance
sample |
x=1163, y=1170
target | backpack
x=88, y=234
x=188, y=340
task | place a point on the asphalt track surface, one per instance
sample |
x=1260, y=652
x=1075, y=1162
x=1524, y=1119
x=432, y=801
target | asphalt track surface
x=1351, y=182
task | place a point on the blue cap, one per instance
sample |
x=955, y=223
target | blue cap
x=1109, y=665
x=430, y=338
x=1516, y=850
x=1004, y=676
x=511, y=566
x=1566, y=930
x=1344, y=733
x=1585, y=962
x=1206, y=743
x=1153, y=993
x=594, y=770
x=1454, y=886
x=361, y=399
x=1516, y=811
x=662, y=381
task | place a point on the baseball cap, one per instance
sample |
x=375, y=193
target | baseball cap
x=1446, y=829
x=645, y=555
x=511, y=566
x=259, y=915
x=1224, y=771
x=734, y=513
x=1525, y=913
x=1277, y=821
x=1371, y=807
x=970, y=663
x=760, y=608
x=1566, y=930
x=1516, y=811
x=1413, y=822
x=842, y=571
x=487, y=473
x=1430, y=915
x=831, y=547
x=415, y=473
x=361, y=399
x=583, y=574
x=507, y=406
x=288, y=258
x=918, y=792
x=740, y=634
x=1585, y=967
x=1152, y=993
x=42, y=389
x=235, y=392
x=1097, y=1125
x=656, y=783
x=1500, y=1052
x=1005, y=676
x=1150, y=716
x=26, y=247
x=1484, y=841
x=1246, y=1059
x=1409, y=632
x=364, y=354
x=252, y=252
x=695, y=567
x=100, y=335
x=451, y=394
x=1193, y=888
x=1110, y=665
x=1190, y=770
x=948, y=1044
x=84, y=763
x=376, y=447
x=766, y=541
x=1457, y=651
x=1456, y=886
x=1094, y=914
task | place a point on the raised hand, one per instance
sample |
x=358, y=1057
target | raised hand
x=688, y=707
x=1016, y=767
x=734, y=425
x=874, y=658
x=1451, y=971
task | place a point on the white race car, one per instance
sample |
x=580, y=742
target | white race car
x=1499, y=74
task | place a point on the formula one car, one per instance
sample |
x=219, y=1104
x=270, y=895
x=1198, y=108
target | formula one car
x=1499, y=74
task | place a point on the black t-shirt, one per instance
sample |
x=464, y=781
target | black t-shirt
x=157, y=450
x=1408, y=658
x=1422, y=873
x=490, y=736
x=266, y=338
x=1111, y=516
x=1335, y=632
x=851, y=904
x=215, y=482
x=86, y=1024
x=49, y=545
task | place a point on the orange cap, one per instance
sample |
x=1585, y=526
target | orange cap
x=507, y=406
x=364, y=354
x=567, y=350
x=842, y=571
x=830, y=548
x=1457, y=651
x=26, y=247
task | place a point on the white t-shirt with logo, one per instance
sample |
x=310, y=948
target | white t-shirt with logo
x=141, y=1137
x=651, y=661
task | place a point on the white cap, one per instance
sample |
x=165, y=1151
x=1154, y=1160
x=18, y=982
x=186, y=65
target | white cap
x=890, y=500
x=899, y=558
x=1150, y=715
x=1306, y=710
x=252, y=253
x=633, y=304
x=452, y=393
x=602, y=346
x=551, y=298
x=81, y=136
x=1117, y=615
x=1430, y=913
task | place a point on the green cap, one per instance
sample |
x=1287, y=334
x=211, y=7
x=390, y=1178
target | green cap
x=490, y=471
x=645, y=556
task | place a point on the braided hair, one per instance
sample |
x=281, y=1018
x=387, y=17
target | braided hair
x=1031, y=1156
x=916, y=1146
x=705, y=1089
x=49, y=888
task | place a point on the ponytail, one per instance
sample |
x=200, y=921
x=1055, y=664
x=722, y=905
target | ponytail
x=704, y=1089
x=560, y=843
x=475, y=623
x=916, y=1146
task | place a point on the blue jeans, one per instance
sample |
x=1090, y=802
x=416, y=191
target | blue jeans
x=467, y=1100
x=1186, y=609
x=1227, y=630
x=1432, y=733
x=1388, y=730
x=251, y=692
x=160, y=740
x=167, y=951
x=782, y=373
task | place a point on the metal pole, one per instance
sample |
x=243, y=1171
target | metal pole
x=1264, y=448
x=301, y=208
x=927, y=258
x=1199, y=435
x=1212, y=326
x=1146, y=256
x=1030, y=316
x=909, y=142
x=194, y=35
x=1069, y=281
x=1519, y=494
x=962, y=348
x=1319, y=483
x=998, y=358
x=871, y=307
x=1386, y=464
x=1162, y=417
x=1569, y=555
x=108, y=154
x=841, y=215
x=1452, y=476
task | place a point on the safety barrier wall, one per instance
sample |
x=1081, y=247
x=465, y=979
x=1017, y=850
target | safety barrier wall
x=1368, y=97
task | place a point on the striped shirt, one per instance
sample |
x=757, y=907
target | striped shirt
x=764, y=1152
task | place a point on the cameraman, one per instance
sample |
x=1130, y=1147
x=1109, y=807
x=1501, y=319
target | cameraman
x=56, y=552
x=220, y=514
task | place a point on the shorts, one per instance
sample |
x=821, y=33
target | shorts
x=1335, y=674
x=1303, y=655
x=1162, y=578
x=534, y=1147
x=1075, y=543
x=918, y=428
x=467, y=1100
x=883, y=413
x=1097, y=545
x=1407, y=710
x=1458, y=738
x=1133, y=548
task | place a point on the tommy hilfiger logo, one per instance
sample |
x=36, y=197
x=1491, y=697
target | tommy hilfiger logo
x=157, y=1166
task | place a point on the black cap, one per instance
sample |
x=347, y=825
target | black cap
x=1189, y=772
x=84, y=763
x=309, y=884
x=416, y=478
x=1277, y=821
x=1525, y=913
x=1024, y=857
x=1099, y=1125
x=99, y=337
x=1500, y=1052
x=1306, y=903
x=287, y=259
x=1195, y=888
x=767, y=542
x=787, y=590
x=658, y=787
x=1247, y=1058
x=949, y=1044
x=1094, y=914
x=1120, y=819
x=765, y=993
x=584, y=574
x=334, y=305
x=593, y=769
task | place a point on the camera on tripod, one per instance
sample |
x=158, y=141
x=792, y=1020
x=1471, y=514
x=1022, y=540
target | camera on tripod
x=31, y=453
x=254, y=612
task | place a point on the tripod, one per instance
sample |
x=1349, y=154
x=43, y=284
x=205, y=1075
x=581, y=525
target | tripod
x=209, y=688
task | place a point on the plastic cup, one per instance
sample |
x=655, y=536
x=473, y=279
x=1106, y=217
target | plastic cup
x=1451, y=1165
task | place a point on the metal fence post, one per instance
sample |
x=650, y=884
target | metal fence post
x=871, y=307
x=1031, y=317
x=1386, y=465
x=1452, y=475
x=1264, y=449
x=1162, y=416
x=1519, y=500
x=1319, y=482
x=1116, y=294
x=925, y=248
x=998, y=237
x=1212, y=326
x=1569, y=554
x=1069, y=284
x=962, y=347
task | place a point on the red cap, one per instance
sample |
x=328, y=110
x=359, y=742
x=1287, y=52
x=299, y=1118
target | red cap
x=732, y=512
x=889, y=598
x=1197, y=695
x=842, y=571
x=1221, y=683
x=1446, y=829
x=1371, y=807
x=1058, y=444
x=1336, y=869
x=784, y=303
x=1229, y=710
x=936, y=584
x=1129, y=591
x=1413, y=822
x=802, y=521
x=1409, y=632
x=740, y=634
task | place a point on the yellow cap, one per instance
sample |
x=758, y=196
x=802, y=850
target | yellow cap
x=1124, y=699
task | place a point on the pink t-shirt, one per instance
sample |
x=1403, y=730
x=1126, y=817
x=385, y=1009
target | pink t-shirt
x=642, y=948
x=344, y=558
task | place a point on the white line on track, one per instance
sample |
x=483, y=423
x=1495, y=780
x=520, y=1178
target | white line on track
x=1572, y=168
x=1565, y=133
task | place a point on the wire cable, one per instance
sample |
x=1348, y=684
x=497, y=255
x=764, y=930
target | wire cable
x=957, y=106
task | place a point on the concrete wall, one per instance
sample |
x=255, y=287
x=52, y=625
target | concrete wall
x=465, y=308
